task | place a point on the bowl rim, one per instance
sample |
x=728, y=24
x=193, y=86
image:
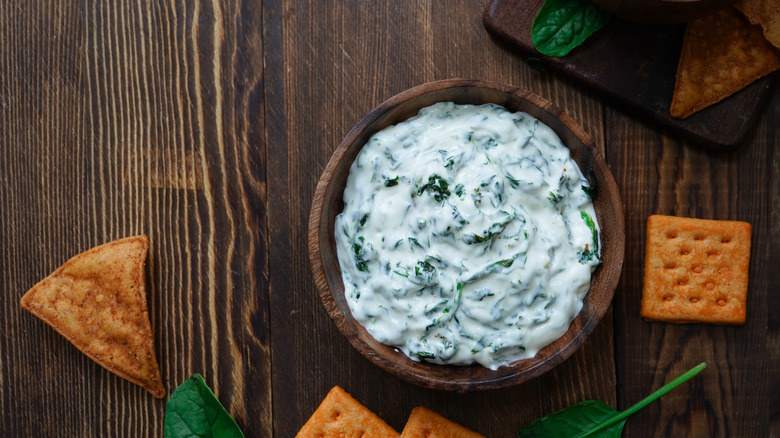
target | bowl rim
x=375, y=351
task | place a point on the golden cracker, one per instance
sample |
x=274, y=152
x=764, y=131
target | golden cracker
x=721, y=54
x=425, y=423
x=696, y=270
x=97, y=301
x=340, y=415
x=765, y=13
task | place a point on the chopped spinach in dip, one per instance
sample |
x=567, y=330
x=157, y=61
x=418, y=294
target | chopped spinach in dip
x=468, y=235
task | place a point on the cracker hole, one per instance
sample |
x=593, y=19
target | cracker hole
x=724, y=270
x=699, y=236
x=668, y=297
x=712, y=254
x=710, y=285
x=694, y=300
x=670, y=265
x=684, y=251
x=721, y=301
x=725, y=240
x=682, y=282
x=697, y=269
x=671, y=234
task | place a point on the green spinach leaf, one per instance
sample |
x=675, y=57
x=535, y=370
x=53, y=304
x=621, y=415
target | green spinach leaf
x=194, y=411
x=593, y=231
x=562, y=25
x=593, y=418
x=437, y=187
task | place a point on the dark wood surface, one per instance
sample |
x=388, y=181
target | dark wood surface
x=635, y=65
x=206, y=125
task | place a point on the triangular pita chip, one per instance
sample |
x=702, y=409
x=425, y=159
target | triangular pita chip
x=97, y=300
x=721, y=54
x=765, y=13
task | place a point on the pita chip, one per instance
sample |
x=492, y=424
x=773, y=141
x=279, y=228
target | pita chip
x=765, y=13
x=721, y=54
x=97, y=301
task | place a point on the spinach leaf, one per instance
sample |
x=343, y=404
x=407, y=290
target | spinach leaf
x=591, y=190
x=459, y=190
x=489, y=269
x=425, y=355
x=595, y=418
x=437, y=186
x=488, y=234
x=193, y=410
x=425, y=274
x=361, y=262
x=554, y=198
x=586, y=255
x=593, y=231
x=562, y=25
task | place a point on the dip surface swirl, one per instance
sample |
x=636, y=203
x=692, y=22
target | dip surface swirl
x=467, y=235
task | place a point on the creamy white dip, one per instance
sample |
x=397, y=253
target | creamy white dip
x=468, y=235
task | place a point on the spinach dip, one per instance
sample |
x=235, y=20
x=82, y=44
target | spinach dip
x=468, y=236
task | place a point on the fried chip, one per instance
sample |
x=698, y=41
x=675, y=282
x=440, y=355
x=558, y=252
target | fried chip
x=696, y=270
x=721, y=54
x=765, y=13
x=425, y=423
x=97, y=301
x=340, y=415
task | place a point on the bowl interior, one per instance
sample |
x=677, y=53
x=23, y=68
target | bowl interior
x=328, y=204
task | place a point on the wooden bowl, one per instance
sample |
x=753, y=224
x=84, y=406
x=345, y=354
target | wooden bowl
x=662, y=11
x=328, y=203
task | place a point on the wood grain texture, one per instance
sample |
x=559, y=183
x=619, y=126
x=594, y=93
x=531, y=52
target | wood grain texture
x=736, y=393
x=126, y=118
x=206, y=125
x=336, y=63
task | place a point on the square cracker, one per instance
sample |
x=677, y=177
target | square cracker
x=721, y=54
x=696, y=270
x=340, y=415
x=424, y=423
x=97, y=301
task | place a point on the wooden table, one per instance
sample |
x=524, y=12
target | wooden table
x=206, y=126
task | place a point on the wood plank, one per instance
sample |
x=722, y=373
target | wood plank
x=634, y=65
x=119, y=119
x=327, y=66
x=660, y=174
x=769, y=133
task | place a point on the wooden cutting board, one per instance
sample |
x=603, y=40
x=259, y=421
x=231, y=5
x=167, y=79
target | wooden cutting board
x=634, y=65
